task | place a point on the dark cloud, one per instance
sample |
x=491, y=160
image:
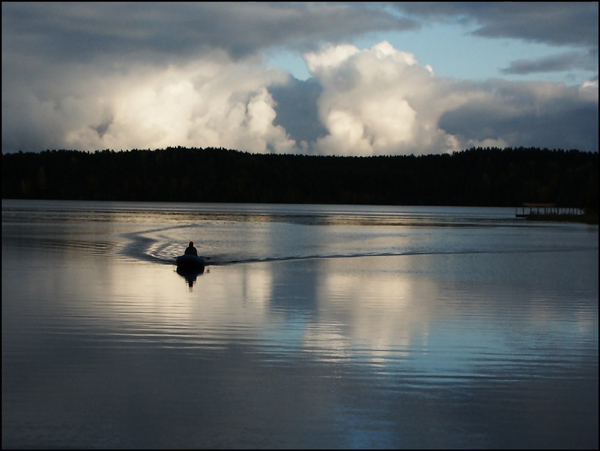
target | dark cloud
x=297, y=110
x=527, y=114
x=554, y=23
x=566, y=23
x=556, y=63
x=137, y=31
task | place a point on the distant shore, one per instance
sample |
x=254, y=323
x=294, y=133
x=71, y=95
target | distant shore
x=476, y=177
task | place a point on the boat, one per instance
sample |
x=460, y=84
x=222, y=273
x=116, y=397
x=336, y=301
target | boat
x=190, y=267
x=190, y=263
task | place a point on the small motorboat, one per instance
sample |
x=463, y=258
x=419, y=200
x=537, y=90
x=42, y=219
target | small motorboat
x=190, y=267
x=190, y=263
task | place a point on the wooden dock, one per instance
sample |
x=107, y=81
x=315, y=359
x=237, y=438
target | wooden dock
x=546, y=210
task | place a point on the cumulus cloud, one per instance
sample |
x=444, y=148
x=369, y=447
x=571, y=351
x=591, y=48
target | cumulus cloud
x=382, y=101
x=378, y=101
x=123, y=75
x=210, y=102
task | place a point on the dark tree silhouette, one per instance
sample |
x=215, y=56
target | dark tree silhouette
x=474, y=177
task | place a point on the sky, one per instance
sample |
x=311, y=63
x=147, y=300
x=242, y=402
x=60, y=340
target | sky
x=337, y=78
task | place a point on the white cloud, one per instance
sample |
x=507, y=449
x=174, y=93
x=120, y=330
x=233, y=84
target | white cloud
x=211, y=102
x=380, y=101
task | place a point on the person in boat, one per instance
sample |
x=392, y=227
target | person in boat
x=191, y=250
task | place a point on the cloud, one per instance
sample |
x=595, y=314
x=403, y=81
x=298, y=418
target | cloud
x=536, y=114
x=561, y=23
x=382, y=101
x=556, y=63
x=297, y=110
x=556, y=23
x=210, y=102
x=127, y=75
x=168, y=32
x=378, y=101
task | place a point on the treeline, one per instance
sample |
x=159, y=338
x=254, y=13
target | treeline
x=474, y=177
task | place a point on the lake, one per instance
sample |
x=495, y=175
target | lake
x=312, y=326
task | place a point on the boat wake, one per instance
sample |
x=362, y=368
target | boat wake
x=149, y=250
x=221, y=246
x=230, y=261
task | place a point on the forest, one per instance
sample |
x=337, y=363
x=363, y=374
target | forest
x=505, y=177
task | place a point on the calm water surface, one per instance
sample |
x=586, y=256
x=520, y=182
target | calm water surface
x=311, y=327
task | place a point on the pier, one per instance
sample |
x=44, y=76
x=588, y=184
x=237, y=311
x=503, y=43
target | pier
x=546, y=211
